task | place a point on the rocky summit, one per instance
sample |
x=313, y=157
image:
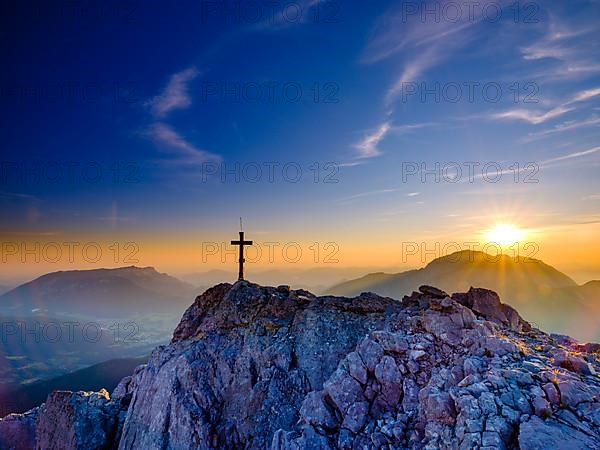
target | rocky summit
x=272, y=368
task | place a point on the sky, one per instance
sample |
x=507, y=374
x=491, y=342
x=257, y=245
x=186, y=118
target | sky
x=346, y=134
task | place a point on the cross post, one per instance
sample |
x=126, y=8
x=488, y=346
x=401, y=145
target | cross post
x=241, y=243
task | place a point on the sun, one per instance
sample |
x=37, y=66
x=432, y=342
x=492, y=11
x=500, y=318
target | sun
x=504, y=234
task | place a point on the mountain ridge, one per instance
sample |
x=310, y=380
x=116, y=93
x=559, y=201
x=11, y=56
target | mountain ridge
x=539, y=291
x=98, y=291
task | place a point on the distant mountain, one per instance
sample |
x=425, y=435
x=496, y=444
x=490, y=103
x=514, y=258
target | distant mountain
x=591, y=291
x=47, y=323
x=510, y=277
x=104, y=375
x=4, y=289
x=544, y=295
x=100, y=292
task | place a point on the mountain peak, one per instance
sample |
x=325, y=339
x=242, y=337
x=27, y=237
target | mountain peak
x=270, y=367
x=478, y=256
x=539, y=291
x=106, y=270
x=107, y=292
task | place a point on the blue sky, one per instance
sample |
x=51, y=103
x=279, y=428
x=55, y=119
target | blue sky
x=147, y=88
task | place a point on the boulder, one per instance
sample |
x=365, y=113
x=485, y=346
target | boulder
x=432, y=292
x=537, y=434
x=487, y=304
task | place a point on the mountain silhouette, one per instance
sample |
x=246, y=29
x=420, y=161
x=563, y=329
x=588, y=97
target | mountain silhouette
x=99, y=292
x=132, y=308
x=544, y=295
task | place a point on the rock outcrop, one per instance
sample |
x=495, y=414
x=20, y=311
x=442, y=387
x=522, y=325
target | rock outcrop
x=273, y=368
x=17, y=431
x=87, y=420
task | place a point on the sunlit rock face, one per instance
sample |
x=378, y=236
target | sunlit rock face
x=257, y=367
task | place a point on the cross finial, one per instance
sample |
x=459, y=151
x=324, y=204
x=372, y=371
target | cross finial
x=241, y=243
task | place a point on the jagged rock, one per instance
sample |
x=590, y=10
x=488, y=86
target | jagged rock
x=590, y=347
x=356, y=416
x=124, y=390
x=487, y=404
x=370, y=352
x=390, y=379
x=438, y=406
x=316, y=412
x=356, y=368
x=541, y=406
x=573, y=363
x=410, y=390
x=255, y=367
x=487, y=304
x=432, y=292
x=551, y=393
x=343, y=390
x=80, y=420
x=17, y=431
x=536, y=434
x=217, y=355
x=564, y=340
x=391, y=342
x=573, y=392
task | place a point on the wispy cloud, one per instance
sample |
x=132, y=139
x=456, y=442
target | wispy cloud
x=166, y=137
x=17, y=196
x=175, y=95
x=413, y=70
x=380, y=192
x=367, y=147
x=562, y=127
x=396, y=32
x=292, y=14
x=571, y=156
x=569, y=46
x=351, y=164
x=537, y=117
x=371, y=193
x=532, y=116
x=556, y=161
x=586, y=95
x=422, y=44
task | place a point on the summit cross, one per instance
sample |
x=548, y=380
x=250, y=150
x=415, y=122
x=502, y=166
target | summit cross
x=241, y=243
